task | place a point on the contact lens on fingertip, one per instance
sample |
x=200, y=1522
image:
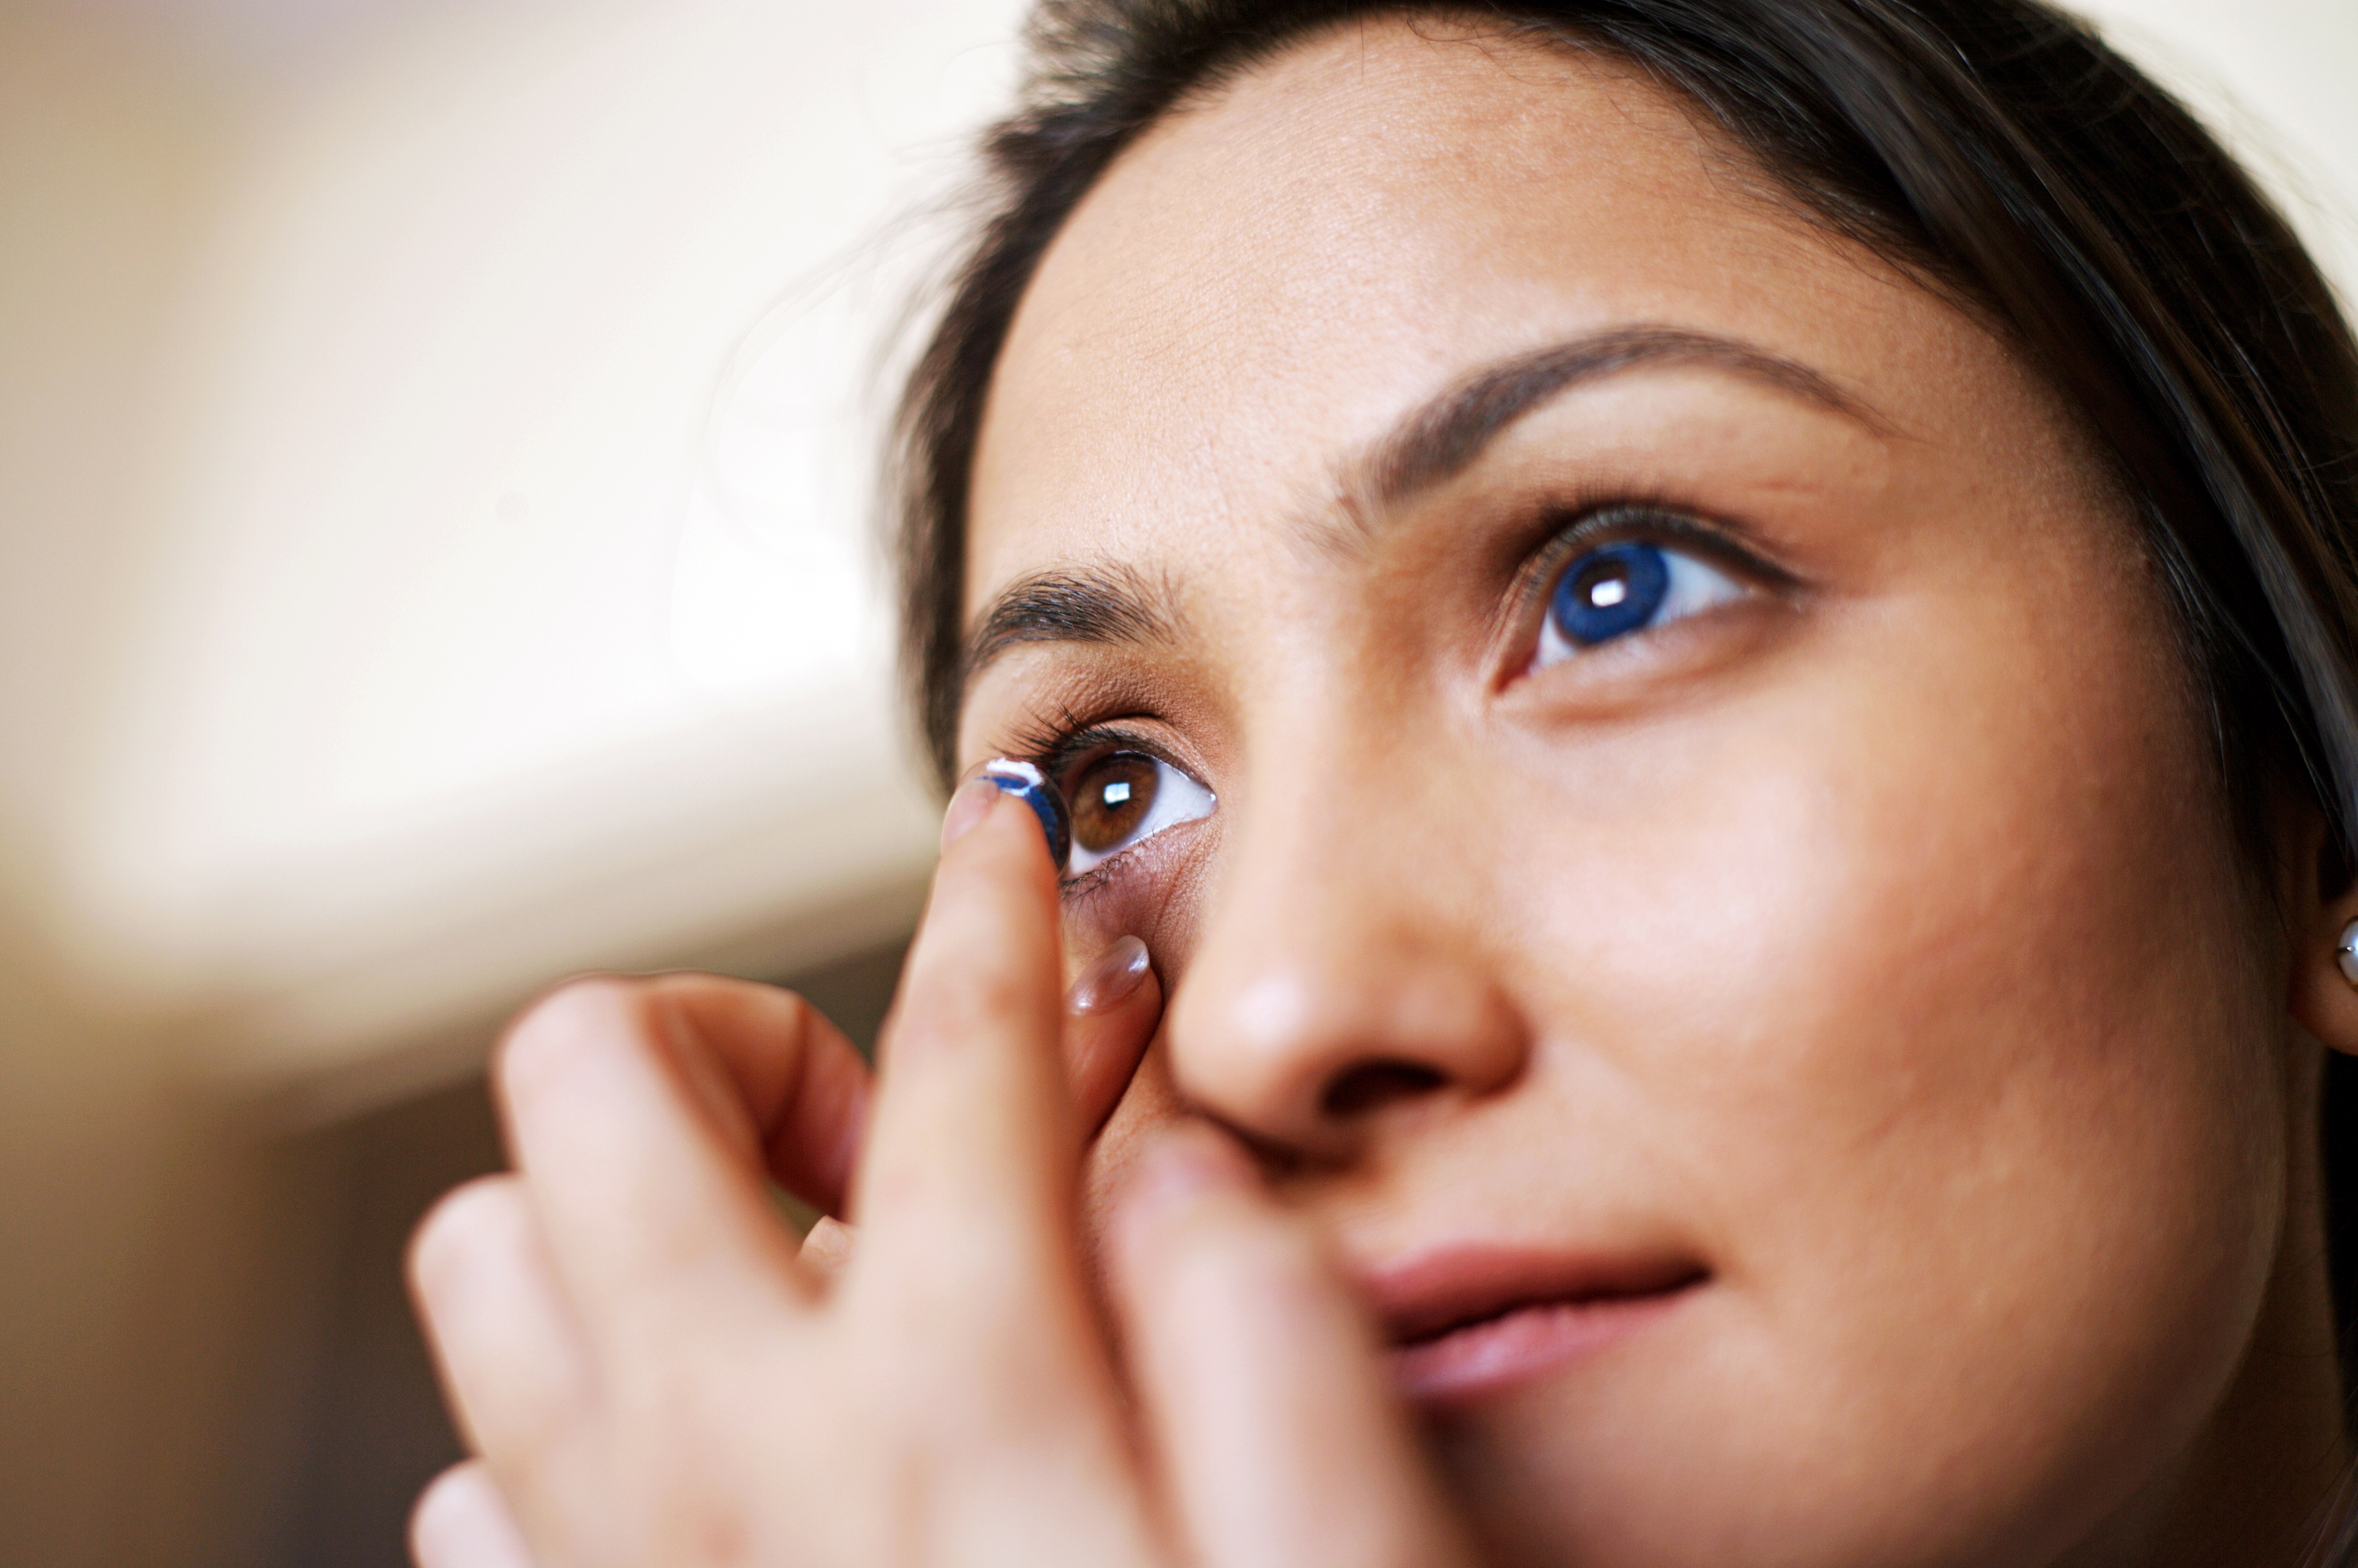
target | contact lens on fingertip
x=1028, y=785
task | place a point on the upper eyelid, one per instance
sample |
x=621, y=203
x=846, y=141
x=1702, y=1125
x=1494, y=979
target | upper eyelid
x=1056, y=746
x=1075, y=744
x=1663, y=523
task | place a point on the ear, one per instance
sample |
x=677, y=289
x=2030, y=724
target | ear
x=2320, y=906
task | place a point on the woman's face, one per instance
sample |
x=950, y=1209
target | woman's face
x=1713, y=887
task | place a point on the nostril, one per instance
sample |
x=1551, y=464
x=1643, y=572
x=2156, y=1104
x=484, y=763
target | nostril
x=1374, y=1084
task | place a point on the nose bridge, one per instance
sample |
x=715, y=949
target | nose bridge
x=1342, y=962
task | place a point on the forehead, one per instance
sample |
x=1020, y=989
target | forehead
x=1264, y=282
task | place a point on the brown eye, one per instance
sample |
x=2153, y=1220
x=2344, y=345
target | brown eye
x=1119, y=800
x=1111, y=798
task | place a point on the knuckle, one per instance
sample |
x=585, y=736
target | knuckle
x=463, y=1224
x=972, y=1310
x=796, y=1014
x=680, y=1458
x=549, y=1040
x=777, y=1005
x=1236, y=1245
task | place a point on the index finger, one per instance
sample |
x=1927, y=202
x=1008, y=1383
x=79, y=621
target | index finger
x=973, y=1143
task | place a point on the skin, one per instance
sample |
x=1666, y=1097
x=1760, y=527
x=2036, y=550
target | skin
x=1874, y=947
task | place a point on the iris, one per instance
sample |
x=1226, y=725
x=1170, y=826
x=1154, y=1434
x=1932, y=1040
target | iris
x=1624, y=587
x=1610, y=592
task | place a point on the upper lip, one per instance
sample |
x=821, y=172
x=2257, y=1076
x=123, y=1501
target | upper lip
x=1427, y=1294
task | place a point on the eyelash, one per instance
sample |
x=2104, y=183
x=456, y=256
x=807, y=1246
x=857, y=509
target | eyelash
x=1054, y=744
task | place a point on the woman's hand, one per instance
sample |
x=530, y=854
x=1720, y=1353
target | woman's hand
x=652, y=1377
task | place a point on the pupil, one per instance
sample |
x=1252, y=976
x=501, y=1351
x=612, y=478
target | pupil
x=1611, y=591
x=1115, y=794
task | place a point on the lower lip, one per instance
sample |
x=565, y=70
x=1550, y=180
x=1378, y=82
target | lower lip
x=1498, y=1353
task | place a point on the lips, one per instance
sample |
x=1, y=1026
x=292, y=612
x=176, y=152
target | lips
x=1467, y=1322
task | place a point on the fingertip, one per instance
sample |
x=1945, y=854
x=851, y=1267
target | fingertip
x=1187, y=1160
x=558, y=1038
x=1260, y=1374
x=967, y=810
x=995, y=837
x=985, y=954
x=1182, y=1172
x=971, y=1125
x=1197, y=1236
x=443, y=1250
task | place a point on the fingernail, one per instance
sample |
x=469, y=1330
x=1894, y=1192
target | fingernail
x=968, y=809
x=1110, y=977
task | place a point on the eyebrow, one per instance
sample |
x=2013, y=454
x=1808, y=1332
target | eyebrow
x=1112, y=604
x=1442, y=437
x=1107, y=604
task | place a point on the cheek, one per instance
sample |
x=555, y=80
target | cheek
x=1936, y=995
x=1152, y=894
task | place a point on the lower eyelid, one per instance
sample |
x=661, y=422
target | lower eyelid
x=1122, y=873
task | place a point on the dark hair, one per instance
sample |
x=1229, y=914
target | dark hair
x=1996, y=147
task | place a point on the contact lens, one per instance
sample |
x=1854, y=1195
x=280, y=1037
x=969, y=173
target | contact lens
x=1610, y=592
x=1028, y=785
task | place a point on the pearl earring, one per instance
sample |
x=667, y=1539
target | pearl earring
x=2346, y=954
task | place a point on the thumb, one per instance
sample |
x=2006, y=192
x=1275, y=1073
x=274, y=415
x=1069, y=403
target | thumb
x=1279, y=1440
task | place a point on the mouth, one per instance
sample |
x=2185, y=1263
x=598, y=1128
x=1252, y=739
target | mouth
x=1464, y=1322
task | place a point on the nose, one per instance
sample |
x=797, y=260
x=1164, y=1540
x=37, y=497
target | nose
x=1342, y=971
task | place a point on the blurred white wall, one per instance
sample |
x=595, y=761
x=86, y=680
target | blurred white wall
x=434, y=449
x=487, y=589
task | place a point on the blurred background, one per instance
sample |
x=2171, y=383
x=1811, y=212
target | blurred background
x=436, y=453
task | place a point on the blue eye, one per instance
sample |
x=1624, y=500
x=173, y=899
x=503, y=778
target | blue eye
x=1627, y=585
